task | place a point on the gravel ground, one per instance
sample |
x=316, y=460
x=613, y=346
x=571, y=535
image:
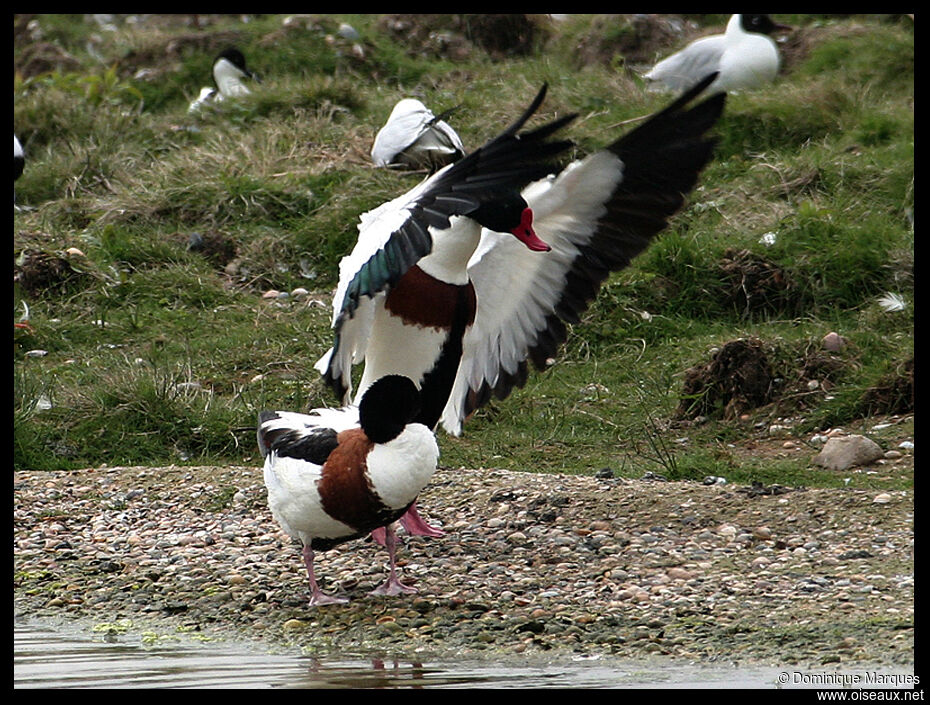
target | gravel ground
x=531, y=564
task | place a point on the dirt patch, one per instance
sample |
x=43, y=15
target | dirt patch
x=636, y=40
x=737, y=378
x=216, y=247
x=893, y=394
x=457, y=36
x=41, y=272
x=755, y=284
x=747, y=374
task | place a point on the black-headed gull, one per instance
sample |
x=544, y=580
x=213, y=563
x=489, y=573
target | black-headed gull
x=229, y=75
x=744, y=56
x=415, y=138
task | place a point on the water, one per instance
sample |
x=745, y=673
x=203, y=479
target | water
x=59, y=656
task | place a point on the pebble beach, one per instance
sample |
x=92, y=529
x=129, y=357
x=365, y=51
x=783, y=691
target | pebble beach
x=553, y=565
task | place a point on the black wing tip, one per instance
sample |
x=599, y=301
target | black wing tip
x=530, y=110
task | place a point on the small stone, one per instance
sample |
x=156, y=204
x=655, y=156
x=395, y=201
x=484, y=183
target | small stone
x=833, y=342
x=293, y=625
x=882, y=498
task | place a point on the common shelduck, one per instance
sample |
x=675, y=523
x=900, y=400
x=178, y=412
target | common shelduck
x=415, y=138
x=459, y=305
x=334, y=475
x=19, y=159
x=744, y=56
x=229, y=75
x=438, y=289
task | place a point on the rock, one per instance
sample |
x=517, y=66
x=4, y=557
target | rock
x=882, y=498
x=347, y=31
x=842, y=452
x=293, y=624
x=834, y=342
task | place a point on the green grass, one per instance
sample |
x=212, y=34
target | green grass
x=157, y=353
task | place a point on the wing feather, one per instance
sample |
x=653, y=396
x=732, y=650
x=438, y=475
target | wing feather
x=596, y=215
x=396, y=235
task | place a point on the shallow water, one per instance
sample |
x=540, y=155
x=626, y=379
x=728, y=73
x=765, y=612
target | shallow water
x=57, y=656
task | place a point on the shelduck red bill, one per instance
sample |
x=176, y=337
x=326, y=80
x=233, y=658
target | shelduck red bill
x=524, y=233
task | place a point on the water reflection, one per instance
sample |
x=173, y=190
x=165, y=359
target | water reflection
x=54, y=656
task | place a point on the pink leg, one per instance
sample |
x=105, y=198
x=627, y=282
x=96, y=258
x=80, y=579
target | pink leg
x=317, y=596
x=413, y=523
x=417, y=526
x=378, y=536
x=391, y=586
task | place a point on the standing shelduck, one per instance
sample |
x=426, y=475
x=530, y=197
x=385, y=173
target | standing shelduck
x=744, y=56
x=415, y=138
x=334, y=475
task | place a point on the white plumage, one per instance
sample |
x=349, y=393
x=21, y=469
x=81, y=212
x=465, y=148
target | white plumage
x=229, y=76
x=745, y=57
x=415, y=138
x=19, y=159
